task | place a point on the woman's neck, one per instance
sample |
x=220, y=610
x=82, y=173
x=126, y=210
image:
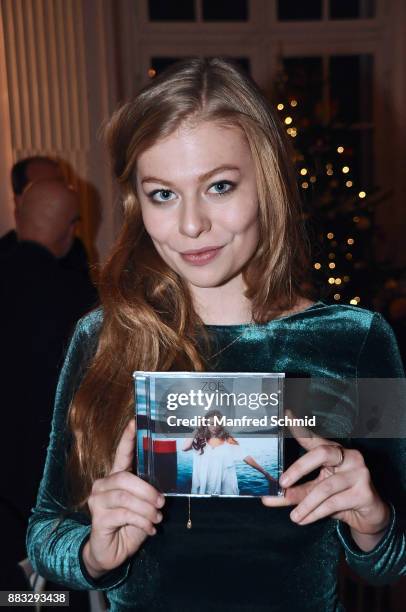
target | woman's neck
x=227, y=304
x=223, y=305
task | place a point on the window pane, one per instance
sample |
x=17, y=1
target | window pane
x=351, y=97
x=346, y=114
x=351, y=87
x=330, y=122
x=225, y=10
x=352, y=9
x=304, y=80
x=289, y=10
x=162, y=10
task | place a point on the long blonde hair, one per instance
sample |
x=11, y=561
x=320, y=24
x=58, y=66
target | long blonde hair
x=149, y=322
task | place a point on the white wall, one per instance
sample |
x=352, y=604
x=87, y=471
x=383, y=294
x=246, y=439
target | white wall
x=59, y=78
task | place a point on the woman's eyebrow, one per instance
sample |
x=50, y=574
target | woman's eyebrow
x=202, y=177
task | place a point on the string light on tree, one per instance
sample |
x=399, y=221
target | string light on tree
x=328, y=167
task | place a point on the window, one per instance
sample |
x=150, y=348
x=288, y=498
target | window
x=198, y=10
x=314, y=10
x=225, y=10
x=293, y=10
x=352, y=9
x=330, y=50
x=181, y=10
x=337, y=91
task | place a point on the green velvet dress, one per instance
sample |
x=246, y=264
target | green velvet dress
x=239, y=554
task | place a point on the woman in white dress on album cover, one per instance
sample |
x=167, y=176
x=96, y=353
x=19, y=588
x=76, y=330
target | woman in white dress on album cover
x=215, y=453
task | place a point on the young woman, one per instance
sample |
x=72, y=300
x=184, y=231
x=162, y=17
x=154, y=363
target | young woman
x=215, y=452
x=207, y=273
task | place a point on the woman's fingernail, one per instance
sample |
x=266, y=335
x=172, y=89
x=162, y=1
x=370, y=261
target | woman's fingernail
x=160, y=501
x=294, y=515
x=284, y=480
x=159, y=516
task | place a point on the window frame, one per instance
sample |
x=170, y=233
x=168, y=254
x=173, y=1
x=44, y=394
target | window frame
x=264, y=40
x=183, y=26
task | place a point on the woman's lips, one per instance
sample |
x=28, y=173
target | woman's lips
x=201, y=257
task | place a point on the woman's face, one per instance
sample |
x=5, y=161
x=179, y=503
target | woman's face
x=198, y=192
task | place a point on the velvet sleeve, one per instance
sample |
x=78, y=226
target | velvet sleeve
x=55, y=536
x=386, y=460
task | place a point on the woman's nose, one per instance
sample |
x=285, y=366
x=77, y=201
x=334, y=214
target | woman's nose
x=193, y=219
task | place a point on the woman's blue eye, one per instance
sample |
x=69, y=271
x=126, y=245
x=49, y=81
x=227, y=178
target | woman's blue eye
x=225, y=187
x=223, y=184
x=161, y=191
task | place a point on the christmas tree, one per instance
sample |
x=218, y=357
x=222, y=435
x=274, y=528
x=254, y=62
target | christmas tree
x=339, y=210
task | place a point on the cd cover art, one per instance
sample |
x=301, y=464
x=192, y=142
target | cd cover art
x=210, y=433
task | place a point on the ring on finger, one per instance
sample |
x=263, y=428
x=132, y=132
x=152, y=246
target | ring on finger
x=342, y=456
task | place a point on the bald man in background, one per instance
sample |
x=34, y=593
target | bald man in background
x=47, y=214
x=46, y=217
x=32, y=170
x=40, y=301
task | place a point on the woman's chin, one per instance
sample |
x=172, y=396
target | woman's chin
x=208, y=281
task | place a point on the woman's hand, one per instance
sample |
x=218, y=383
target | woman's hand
x=124, y=509
x=343, y=490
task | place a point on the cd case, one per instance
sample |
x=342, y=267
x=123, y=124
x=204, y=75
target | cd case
x=210, y=433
